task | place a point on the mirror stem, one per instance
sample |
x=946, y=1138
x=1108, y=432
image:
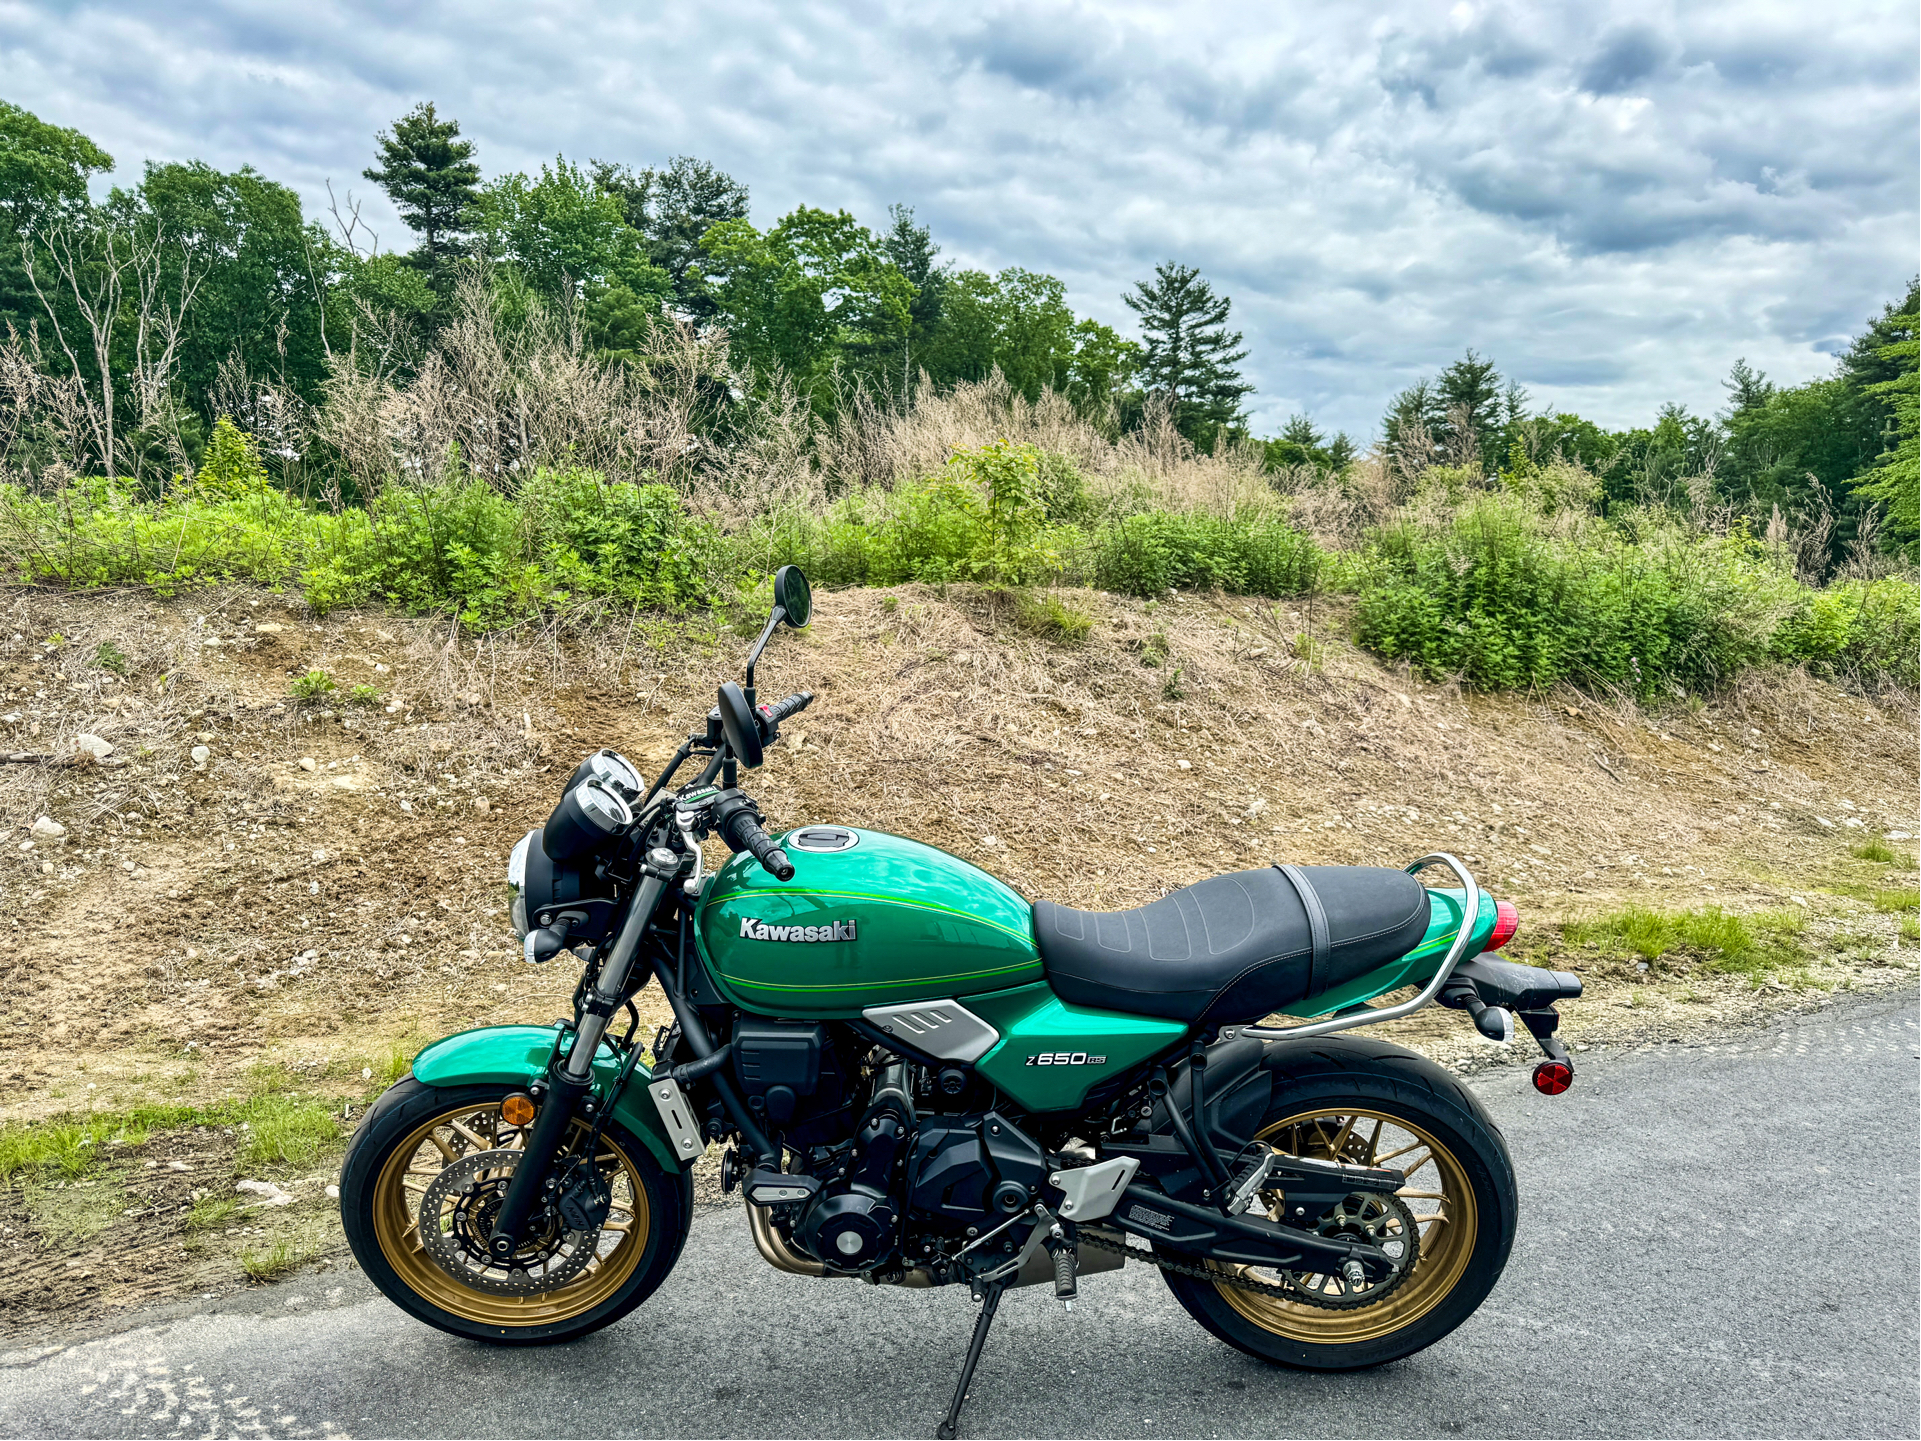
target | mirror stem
x=753, y=656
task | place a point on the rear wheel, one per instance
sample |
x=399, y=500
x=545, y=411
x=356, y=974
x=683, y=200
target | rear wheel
x=418, y=1190
x=1451, y=1225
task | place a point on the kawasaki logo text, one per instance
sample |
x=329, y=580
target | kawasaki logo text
x=751, y=930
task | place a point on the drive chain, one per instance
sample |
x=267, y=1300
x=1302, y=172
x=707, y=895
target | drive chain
x=1298, y=1294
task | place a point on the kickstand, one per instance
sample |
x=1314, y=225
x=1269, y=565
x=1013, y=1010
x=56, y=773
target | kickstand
x=946, y=1431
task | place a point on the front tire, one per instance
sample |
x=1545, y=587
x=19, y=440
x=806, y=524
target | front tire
x=1372, y=1103
x=571, y=1284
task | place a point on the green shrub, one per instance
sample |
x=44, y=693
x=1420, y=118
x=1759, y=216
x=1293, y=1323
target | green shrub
x=110, y=657
x=363, y=695
x=1151, y=552
x=314, y=685
x=1499, y=598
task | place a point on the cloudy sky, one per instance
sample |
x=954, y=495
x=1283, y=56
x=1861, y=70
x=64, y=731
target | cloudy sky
x=1613, y=201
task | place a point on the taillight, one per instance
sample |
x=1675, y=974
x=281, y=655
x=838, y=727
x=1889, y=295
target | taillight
x=1553, y=1077
x=1507, y=921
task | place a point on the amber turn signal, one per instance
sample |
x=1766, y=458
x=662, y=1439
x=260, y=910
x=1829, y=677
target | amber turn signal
x=517, y=1110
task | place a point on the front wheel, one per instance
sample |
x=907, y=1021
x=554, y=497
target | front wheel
x=1369, y=1103
x=425, y=1173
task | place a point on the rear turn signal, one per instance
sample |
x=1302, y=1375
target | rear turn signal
x=1553, y=1077
x=1507, y=921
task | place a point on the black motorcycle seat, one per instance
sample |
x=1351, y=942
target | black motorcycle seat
x=1232, y=948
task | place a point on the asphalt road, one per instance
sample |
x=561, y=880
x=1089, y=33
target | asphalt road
x=1715, y=1241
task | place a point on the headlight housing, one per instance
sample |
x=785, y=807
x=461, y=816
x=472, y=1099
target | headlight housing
x=517, y=878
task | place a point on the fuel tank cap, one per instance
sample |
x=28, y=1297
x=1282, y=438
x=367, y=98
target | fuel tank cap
x=819, y=839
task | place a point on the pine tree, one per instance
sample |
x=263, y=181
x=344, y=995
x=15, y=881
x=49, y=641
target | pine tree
x=430, y=175
x=673, y=208
x=912, y=250
x=1190, y=357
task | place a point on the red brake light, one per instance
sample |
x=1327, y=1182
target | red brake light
x=1507, y=921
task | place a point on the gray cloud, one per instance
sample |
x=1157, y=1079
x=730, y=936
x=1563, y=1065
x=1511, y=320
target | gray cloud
x=1614, y=206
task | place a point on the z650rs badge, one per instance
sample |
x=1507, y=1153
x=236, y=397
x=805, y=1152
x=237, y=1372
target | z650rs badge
x=1066, y=1058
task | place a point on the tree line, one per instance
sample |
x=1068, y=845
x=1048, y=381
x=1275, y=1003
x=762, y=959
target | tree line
x=153, y=300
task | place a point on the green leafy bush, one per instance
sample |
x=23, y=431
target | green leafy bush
x=1504, y=598
x=1151, y=552
x=314, y=685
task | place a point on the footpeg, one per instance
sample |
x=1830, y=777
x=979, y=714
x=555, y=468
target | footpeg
x=1066, y=1268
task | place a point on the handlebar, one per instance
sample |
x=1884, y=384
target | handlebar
x=743, y=833
x=773, y=715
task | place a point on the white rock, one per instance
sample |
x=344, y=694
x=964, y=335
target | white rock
x=93, y=746
x=307, y=763
x=270, y=1194
x=201, y=755
x=482, y=804
x=320, y=855
x=1184, y=765
x=333, y=1193
x=49, y=829
x=407, y=807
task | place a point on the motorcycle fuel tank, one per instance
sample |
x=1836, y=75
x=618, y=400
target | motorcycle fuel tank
x=868, y=918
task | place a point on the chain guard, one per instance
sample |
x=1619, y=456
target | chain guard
x=456, y=1220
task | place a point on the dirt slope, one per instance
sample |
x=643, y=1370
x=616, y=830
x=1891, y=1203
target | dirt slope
x=324, y=890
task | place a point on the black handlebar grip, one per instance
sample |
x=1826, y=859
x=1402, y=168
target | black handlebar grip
x=777, y=864
x=746, y=834
x=793, y=705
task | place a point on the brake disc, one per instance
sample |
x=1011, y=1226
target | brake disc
x=456, y=1223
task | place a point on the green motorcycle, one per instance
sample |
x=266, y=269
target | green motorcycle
x=920, y=1079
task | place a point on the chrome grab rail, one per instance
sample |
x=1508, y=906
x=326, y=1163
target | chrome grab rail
x=1470, y=913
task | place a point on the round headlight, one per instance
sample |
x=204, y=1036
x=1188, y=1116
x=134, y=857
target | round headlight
x=517, y=862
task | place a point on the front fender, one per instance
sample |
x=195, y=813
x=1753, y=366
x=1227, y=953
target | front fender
x=517, y=1055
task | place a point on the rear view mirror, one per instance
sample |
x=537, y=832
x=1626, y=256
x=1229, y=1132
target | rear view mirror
x=791, y=594
x=737, y=723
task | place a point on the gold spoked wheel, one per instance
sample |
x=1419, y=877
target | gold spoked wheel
x=1437, y=1203
x=432, y=1207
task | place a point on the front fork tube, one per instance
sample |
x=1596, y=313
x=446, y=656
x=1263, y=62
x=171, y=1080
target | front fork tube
x=571, y=1081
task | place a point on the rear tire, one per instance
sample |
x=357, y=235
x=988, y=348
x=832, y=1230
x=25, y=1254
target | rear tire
x=392, y=1159
x=1346, y=1096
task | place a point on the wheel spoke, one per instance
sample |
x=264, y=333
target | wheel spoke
x=1374, y=1141
x=1413, y=1166
x=1413, y=1145
x=479, y=1142
x=447, y=1152
x=1347, y=1129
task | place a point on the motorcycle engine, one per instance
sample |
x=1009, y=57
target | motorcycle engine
x=915, y=1190
x=853, y=1222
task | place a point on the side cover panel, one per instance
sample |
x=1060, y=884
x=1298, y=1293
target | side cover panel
x=516, y=1055
x=1051, y=1054
x=1418, y=966
x=886, y=919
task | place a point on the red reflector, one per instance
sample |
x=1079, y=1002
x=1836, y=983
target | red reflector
x=1553, y=1077
x=1507, y=921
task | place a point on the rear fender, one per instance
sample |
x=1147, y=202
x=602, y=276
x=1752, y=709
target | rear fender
x=518, y=1055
